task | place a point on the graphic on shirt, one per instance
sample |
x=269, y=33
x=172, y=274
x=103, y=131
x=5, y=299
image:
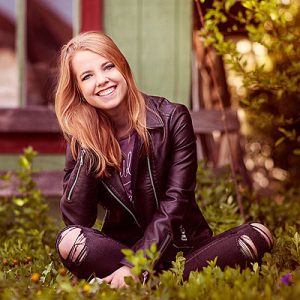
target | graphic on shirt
x=125, y=172
x=126, y=166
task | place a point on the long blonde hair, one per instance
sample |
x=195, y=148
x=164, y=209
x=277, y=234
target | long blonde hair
x=83, y=124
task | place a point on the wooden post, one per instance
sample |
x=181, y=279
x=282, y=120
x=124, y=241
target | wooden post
x=76, y=17
x=21, y=50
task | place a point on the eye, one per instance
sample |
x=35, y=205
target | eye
x=109, y=66
x=85, y=77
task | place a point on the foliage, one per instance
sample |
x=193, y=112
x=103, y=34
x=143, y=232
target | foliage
x=29, y=267
x=216, y=198
x=271, y=86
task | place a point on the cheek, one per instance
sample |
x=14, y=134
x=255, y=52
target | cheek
x=86, y=88
x=124, y=84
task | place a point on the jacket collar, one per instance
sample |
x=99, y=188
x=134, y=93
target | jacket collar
x=153, y=120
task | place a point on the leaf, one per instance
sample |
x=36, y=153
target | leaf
x=296, y=151
x=279, y=141
x=247, y=4
x=66, y=287
x=153, y=248
x=255, y=267
x=19, y=201
x=127, y=252
x=24, y=162
x=245, y=101
x=229, y=4
x=46, y=272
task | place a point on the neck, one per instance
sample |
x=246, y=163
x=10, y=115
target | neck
x=120, y=121
x=121, y=127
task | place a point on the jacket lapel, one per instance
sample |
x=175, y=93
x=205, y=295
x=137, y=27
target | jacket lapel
x=114, y=183
x=153, y=120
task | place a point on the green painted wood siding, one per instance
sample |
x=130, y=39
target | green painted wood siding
x=155, y=37
x=43, y=162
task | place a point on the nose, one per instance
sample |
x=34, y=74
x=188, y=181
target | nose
x=101, y=79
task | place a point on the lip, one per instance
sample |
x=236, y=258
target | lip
x=103, y=92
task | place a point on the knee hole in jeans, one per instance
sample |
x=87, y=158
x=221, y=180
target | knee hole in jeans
x=264, y=232
x=248, y=247
x=72, y=245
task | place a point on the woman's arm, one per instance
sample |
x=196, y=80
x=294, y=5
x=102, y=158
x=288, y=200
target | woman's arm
x=79, y=201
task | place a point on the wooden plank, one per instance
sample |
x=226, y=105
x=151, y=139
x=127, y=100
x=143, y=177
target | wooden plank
x=34, y=126
x=91, y=15
x=26, y=120
x=121, y=23
x=183, y=54
x=41, y=142
x=21, y=51
x=207, y=121
x=42, y=162
x=155, y=37
x=158, y=37
x=50, y=183
x=76, y=19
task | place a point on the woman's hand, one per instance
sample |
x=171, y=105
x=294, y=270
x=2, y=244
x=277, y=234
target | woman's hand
x=116, y=279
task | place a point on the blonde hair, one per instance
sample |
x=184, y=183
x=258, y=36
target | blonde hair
x=83, y=124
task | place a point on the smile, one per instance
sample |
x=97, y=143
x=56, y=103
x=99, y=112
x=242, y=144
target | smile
x=106, y=92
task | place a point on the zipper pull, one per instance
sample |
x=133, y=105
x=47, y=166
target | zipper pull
x=81, y=156
x=183, y=234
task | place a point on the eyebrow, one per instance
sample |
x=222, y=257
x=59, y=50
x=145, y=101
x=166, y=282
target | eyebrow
x=88, y=71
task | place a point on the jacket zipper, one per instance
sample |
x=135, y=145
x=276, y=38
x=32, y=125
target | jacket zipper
x=165, y=244
x=152, y=182
x=111, y=192
x=183, y=234
x=77, y=175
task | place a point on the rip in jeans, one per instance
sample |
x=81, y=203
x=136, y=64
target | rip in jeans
x=247, y=246
x=78, y=251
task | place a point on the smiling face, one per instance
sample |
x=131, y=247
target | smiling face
x=100, y=82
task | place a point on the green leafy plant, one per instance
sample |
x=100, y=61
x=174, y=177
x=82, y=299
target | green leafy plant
x=30, y=269
x=271, y=87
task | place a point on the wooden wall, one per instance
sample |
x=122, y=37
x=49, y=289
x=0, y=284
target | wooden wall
x=155, y=37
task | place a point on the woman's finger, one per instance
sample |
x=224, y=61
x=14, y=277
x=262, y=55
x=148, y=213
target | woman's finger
x=108, y=278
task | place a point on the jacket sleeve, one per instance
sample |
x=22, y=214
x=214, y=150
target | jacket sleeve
x=180, y=186
x=79, y=200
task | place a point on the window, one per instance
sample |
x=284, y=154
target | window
x=31, y=34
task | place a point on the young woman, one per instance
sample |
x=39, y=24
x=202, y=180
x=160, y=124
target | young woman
x=135, y=155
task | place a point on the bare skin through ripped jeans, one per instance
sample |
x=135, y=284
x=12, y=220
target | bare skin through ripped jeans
x=88, y=252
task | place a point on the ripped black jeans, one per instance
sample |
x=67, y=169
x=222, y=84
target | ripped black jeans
x=89, y=252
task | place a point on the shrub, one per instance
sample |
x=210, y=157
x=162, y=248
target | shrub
x=271, y=87
x=29, y=267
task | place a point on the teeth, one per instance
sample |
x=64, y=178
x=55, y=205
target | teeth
x=106, y=92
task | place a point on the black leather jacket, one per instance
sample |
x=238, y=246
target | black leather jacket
x=164, y=210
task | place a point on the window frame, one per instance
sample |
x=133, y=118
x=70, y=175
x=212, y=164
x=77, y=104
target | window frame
x=37, y=125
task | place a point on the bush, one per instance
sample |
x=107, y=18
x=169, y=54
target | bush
x=271, y=87
x=30, y=269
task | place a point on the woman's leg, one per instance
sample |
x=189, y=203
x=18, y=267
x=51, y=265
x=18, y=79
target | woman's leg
x=239, y=246
x=86, y=252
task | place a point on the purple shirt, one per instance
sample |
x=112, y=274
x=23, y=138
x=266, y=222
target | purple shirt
x=127, y=144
